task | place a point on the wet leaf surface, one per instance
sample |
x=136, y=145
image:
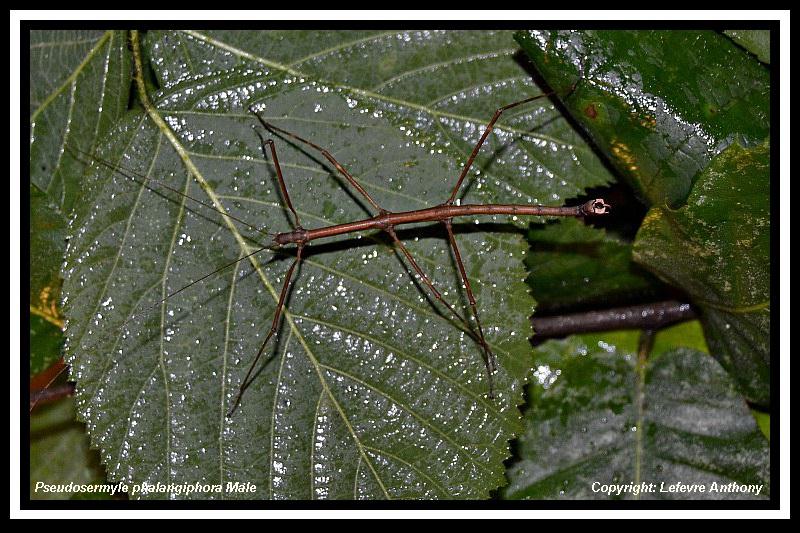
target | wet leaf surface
x=756, y=41
x=575, y=266
x=598, y=417
x=670, y=109
x=717, y=248
x=369, y=390
x=46, y=340
x=79, y=84
x=659, y=104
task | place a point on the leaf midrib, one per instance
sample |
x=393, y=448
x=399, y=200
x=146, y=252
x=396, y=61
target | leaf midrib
x=162, y=126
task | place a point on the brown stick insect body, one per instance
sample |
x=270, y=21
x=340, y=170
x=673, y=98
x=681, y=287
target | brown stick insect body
x=387, y=221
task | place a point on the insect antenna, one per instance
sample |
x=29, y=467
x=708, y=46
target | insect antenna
x=153, y=306
x=145, y=180
x=134, y=175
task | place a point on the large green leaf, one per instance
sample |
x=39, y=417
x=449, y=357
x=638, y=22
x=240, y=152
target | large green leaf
x=79, y=82
x=573, y=265
x=444, y=84
x=602, y=415
x=369, y=390
x=756, y=41
x=664, y=106
x=659, y=104
x=717, y=248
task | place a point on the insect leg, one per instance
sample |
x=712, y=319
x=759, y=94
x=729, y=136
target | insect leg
x=327, y=155
x=282, y=184
x=275, y=320
x=486, y=133
x=478, y=338
x=491, y=360
x=424, y=277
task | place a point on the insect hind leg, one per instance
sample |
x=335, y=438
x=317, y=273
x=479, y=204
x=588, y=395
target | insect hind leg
x=489, y=360
x=273, y=329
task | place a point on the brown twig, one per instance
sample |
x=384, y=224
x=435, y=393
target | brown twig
x=42, y=381
x=647, y=316
x=52, y=394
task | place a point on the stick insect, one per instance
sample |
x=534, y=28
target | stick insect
x=381, y=220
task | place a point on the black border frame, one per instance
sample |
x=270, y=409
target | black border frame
x=774, y=501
